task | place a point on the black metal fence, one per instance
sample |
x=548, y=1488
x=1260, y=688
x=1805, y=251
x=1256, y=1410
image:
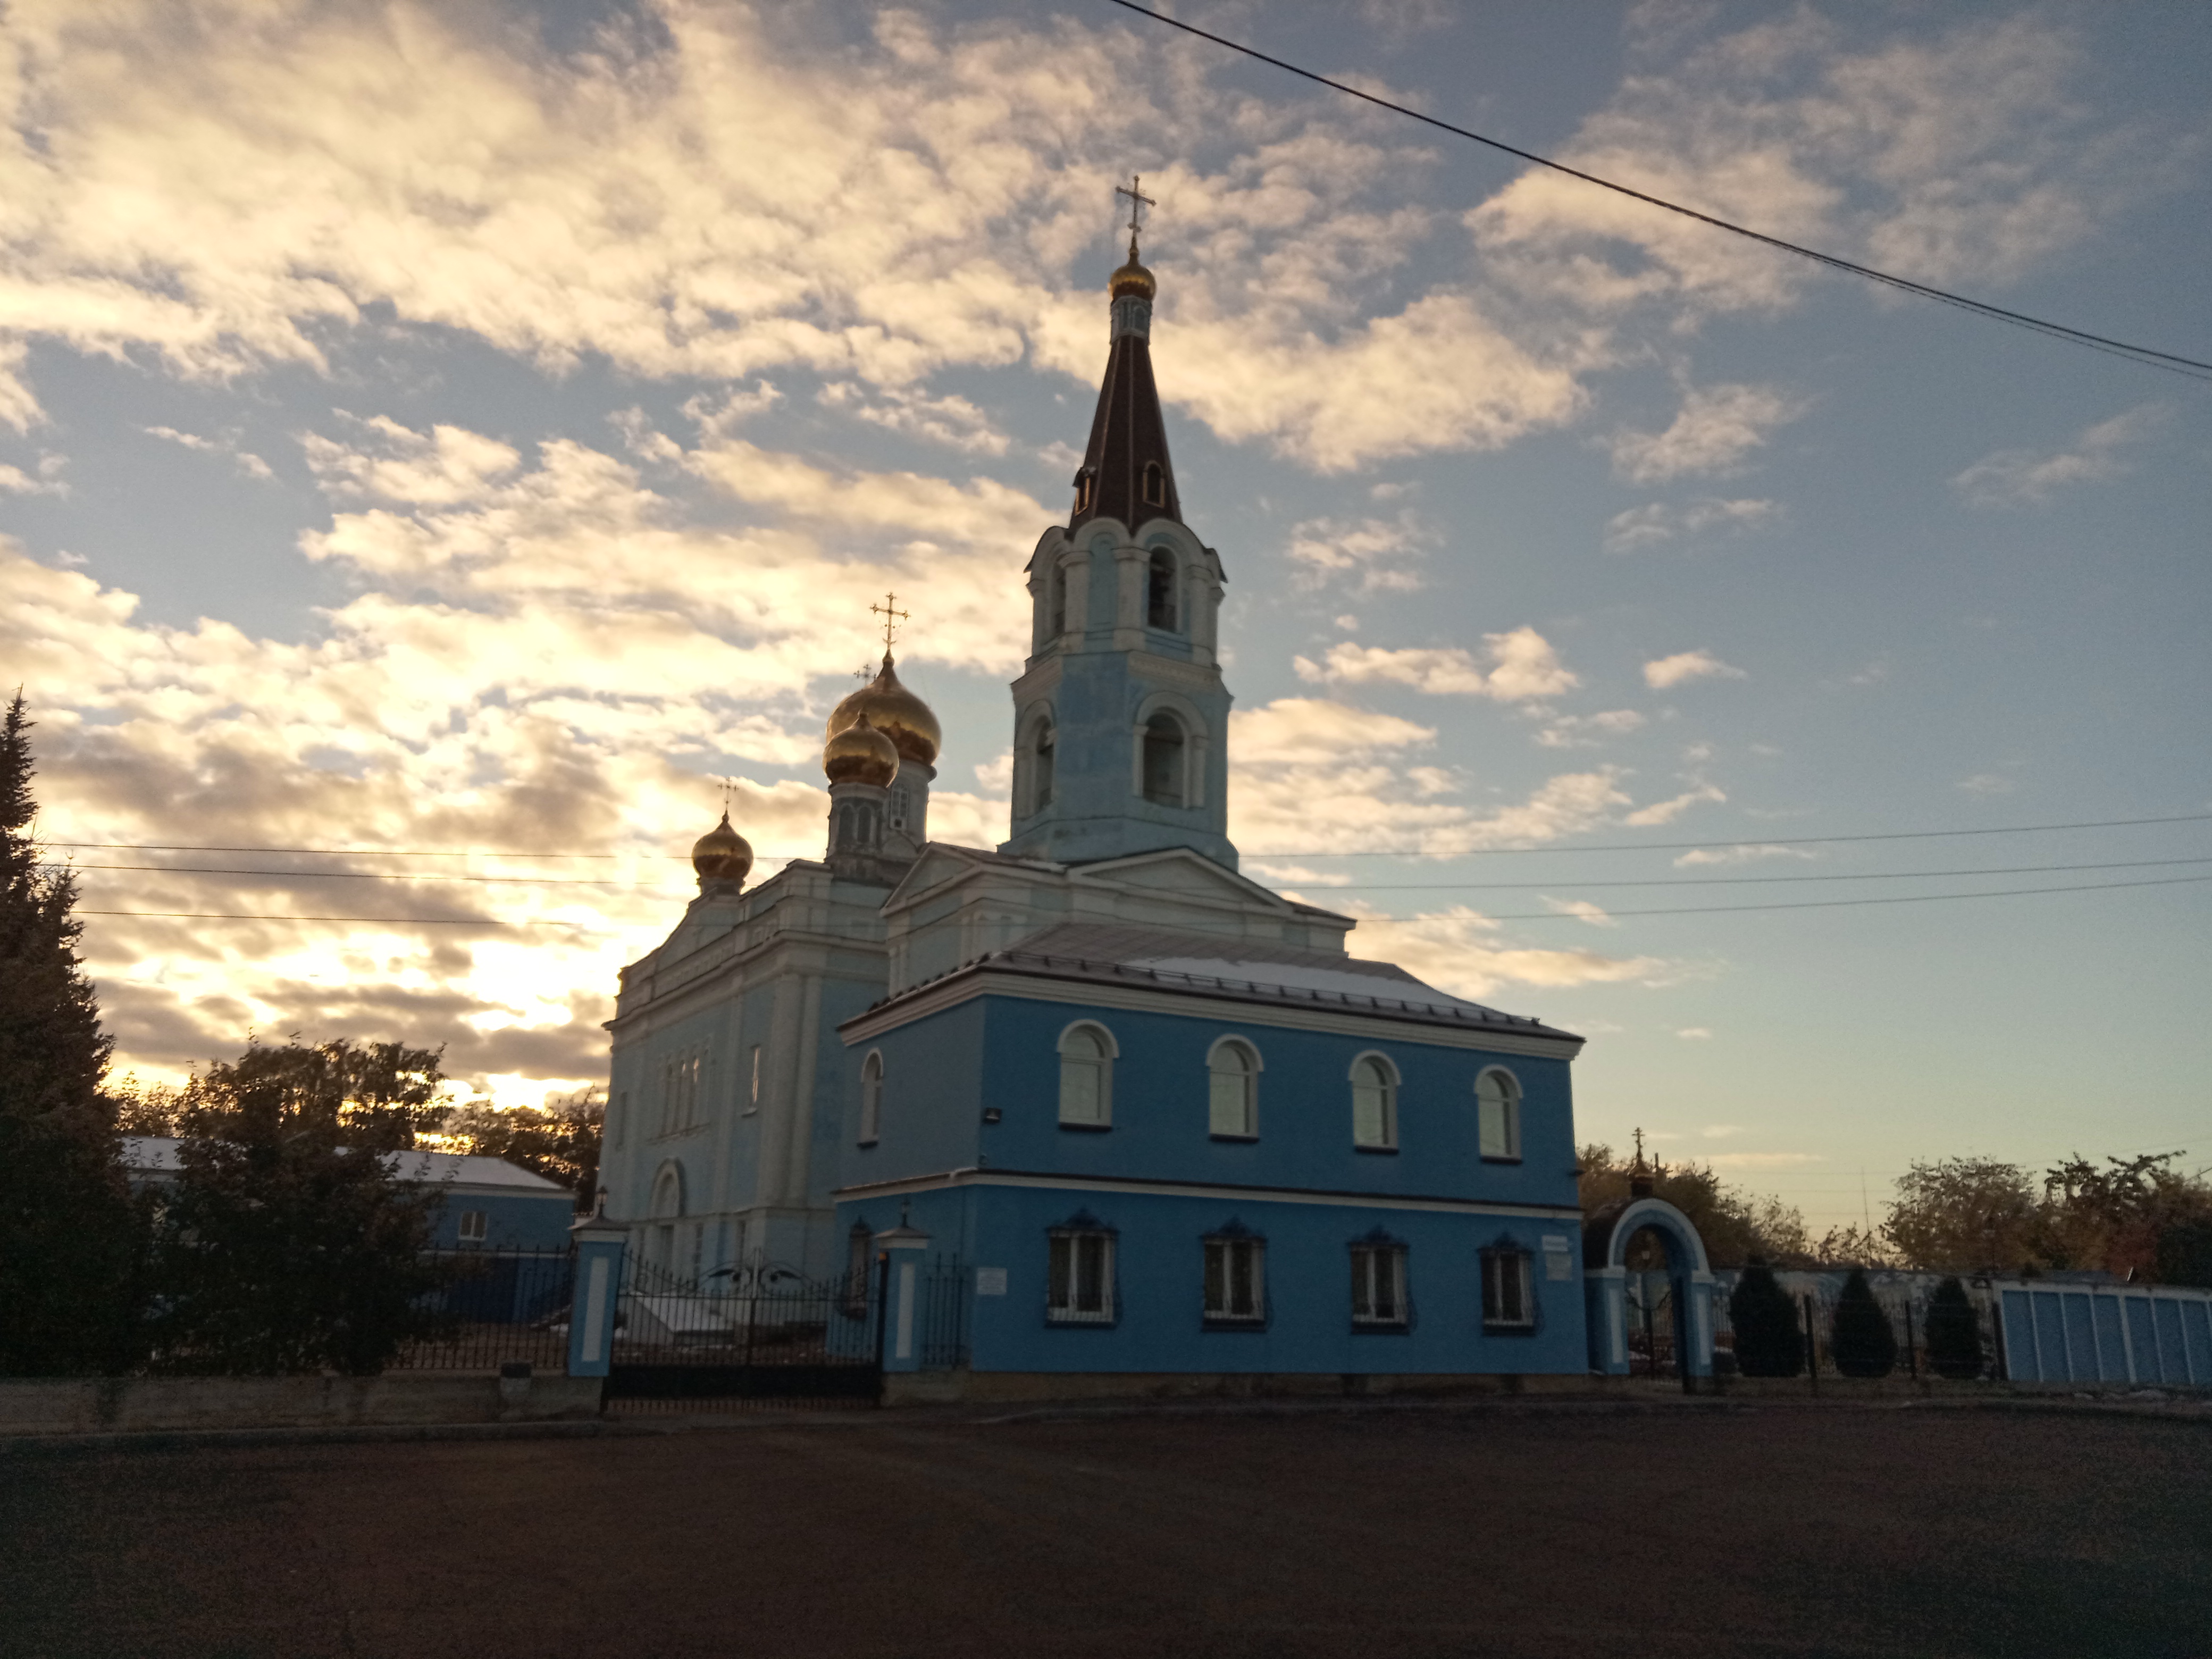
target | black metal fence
x=756, y=1334
x=497, y=1308
x=945, y=1290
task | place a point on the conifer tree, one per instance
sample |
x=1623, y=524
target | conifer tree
x=1954, y=1333
x=293, y=1239
x=68, y=1236
x=1768, y=1342
x=1863, y=1343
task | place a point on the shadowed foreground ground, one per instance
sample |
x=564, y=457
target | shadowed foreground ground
x=1538, y=1530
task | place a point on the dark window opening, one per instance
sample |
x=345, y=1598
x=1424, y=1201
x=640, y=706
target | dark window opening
x=1507, y=1300
x=1163, y=761
x=1155, y=484
x=1058, y=608
x=1160, y=592
x=1041, y=775
x=1083, y=479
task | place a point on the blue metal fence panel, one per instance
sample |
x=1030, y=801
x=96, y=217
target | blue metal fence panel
x=2196, y=1325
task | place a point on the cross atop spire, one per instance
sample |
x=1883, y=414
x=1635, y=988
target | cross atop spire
x=1137, y=203
x=892, y=617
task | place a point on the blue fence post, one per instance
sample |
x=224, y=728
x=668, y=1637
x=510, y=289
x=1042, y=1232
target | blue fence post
x=598, y=1292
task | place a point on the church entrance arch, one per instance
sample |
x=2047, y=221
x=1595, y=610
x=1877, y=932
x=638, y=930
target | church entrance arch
x=1607, y=1233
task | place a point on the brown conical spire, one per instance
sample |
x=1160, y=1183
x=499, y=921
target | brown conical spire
x=1125, y=472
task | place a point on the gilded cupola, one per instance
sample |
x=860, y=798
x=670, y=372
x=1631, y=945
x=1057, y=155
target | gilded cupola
x=893, y=711
x=722, y=854
x=861, y=754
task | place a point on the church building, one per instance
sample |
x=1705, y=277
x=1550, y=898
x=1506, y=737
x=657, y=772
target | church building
x=1153, y=1117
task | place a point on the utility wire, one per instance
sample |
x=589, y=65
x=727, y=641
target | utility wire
x=1827, y=904
x=1478, y=852
x=2146, y=355
x=1532, y=915
x=1345, y=887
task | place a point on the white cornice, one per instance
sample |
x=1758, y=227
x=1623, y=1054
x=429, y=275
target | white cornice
x=1316, y=1196
x=987, y=980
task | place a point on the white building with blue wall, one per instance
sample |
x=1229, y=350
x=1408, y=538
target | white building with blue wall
x=1152, y=1116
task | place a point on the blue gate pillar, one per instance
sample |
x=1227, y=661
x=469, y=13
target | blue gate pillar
x=902, y=1247
x=1605, y=1291
x=597, y=1292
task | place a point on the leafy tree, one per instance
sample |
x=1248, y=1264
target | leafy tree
x=1954, y=1333
x=288, y=1243
x=560, y=1142
x=1848, y=1246
x=1966, y=1215
x=2114, y=1218
x=69, y=1233
x=1862, y=1341
x=2184, y=1253
x=1735, y=1225
x=1768, y=1342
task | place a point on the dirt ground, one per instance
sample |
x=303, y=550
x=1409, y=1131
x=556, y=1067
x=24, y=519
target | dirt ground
x=1504, y=1529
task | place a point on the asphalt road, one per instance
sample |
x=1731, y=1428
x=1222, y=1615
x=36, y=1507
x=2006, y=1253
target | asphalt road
x=1539, y=1529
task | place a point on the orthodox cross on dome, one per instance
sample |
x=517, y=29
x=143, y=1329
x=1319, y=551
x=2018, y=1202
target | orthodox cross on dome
x=1639, y=1145
x=1137, y=203
x=892, y=617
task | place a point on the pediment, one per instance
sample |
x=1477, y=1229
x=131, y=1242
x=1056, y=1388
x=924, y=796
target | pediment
x=1183, y=873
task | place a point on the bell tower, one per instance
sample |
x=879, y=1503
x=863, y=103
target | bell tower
x=1120, y=717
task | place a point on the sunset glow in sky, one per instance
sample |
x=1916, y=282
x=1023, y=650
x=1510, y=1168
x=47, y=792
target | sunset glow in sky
x=473, y=432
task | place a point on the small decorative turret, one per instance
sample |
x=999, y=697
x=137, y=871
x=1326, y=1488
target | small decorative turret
x=722, y=856
x=1640, y=1174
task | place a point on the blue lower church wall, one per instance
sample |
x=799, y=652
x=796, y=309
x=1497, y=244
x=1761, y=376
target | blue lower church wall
x=993, y=1248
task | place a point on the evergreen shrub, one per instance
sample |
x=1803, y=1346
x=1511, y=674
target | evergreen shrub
x=1954, y=1333
x=1863, y=1343
x=1768, y=1342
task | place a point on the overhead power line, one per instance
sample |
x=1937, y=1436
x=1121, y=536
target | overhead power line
x=1532, y=915
x=1344, y=887
x=1403, y=853
x=1739, y=841
x=2147, y=355
x=1829, y=904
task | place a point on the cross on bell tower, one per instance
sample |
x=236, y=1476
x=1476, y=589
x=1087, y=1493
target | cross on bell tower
x=892, y=617
x=1137, y=203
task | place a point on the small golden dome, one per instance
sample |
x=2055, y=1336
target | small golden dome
x=894, y=711
x=722, y=854
x=1131, y=278
x=860, y=754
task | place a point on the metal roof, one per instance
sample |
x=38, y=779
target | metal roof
x=157, y=1155
x=1239, y=970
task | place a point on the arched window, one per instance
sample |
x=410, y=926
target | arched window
x=1498, y=1110
x=1232, y=1094
x=667, y=1208
x=1155, y=484
x=1084, y=476
x=1374, y=1104
x=1164, y=762
x=1057, y=599
x=1040, y=758
x=1160, y=591
x=1086, y=1077
x=872, y=1098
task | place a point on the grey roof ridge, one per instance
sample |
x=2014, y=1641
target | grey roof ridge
x=1012, y=959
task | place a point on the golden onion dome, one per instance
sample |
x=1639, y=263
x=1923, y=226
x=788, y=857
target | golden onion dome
x=860, y=754
x=894, y=712
x=722, y=854
x=1131, y=278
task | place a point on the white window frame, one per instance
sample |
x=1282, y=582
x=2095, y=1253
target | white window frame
x=1239, y=1120
x=472, y=1227
x=1378, y=1279
x=1503, y=1267
x=1388, y=1140
x=1065, y=1250
x=1103, y=1074
x=1498, y=1121
x=1218, y=1298
x=871, y=1098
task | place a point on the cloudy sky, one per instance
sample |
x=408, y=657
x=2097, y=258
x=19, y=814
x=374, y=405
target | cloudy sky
x=467, y=434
